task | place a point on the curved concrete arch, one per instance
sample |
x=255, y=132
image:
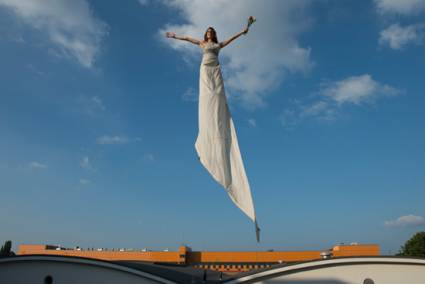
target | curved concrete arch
x=352, y=270
x=57, y=269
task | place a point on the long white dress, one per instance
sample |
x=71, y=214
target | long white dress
x=217, y=144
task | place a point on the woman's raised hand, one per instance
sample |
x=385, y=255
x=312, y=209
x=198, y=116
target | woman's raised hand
x=170, y=34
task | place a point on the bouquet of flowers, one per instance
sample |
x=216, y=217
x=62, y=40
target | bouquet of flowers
x=251, y=20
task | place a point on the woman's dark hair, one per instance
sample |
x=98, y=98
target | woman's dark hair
x=213, y=35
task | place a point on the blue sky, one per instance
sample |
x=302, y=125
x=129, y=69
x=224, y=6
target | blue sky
x=98, y=119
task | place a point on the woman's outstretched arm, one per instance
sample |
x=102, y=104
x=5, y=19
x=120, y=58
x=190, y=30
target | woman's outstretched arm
x=226, y=42
x=185, y=38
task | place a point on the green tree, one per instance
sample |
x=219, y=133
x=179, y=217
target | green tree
x=415, y=246
x=6, y=249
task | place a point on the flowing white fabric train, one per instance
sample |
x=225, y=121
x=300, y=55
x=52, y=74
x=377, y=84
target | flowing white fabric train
x=217, y=143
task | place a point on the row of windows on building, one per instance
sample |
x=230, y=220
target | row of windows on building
x=232, y=266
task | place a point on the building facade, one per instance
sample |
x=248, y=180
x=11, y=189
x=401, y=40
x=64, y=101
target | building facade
x=229, y=261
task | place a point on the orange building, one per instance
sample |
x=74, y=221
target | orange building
x=231, y=261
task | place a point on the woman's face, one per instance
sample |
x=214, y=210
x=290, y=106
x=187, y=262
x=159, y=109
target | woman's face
x=209, y=33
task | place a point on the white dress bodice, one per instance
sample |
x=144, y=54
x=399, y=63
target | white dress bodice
x=210, y=53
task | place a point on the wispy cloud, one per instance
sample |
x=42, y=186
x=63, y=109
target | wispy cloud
x=113, y=140
x=190, y=95
x=86, y=164
x=259, y=61
x=91, y=105
x=143, y=2
x=290, y=118
x=252, y=122
x=397, y=37
x=69, y=25
x=98, y=103
x=403, y=7
x=104, y=140
x=332, y=96
x=84, y=181
x=150, y=157
x=35, y=70
x=406, y=221
x=36, y=166
x=356, y=90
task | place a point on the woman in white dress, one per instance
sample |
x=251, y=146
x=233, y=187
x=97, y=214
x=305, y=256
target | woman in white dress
x=217, y=144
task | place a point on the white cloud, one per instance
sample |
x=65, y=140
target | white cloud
x=356, y=90
x=404, y=7
x=150, y=157
x=85, y=181
x=289, y=118
x=98, y=103
x=109, y=140
x=37, y=166
x=252, y=122
x=69, y=24
x=92, y=106
x=259, y=61
x=397, y=37
x=406, y=221
x=190, y=95
x=143, y=2
x=85, y=164
x=35, y=70
x=315, y=108
x=112, y=140
x=332, y=96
